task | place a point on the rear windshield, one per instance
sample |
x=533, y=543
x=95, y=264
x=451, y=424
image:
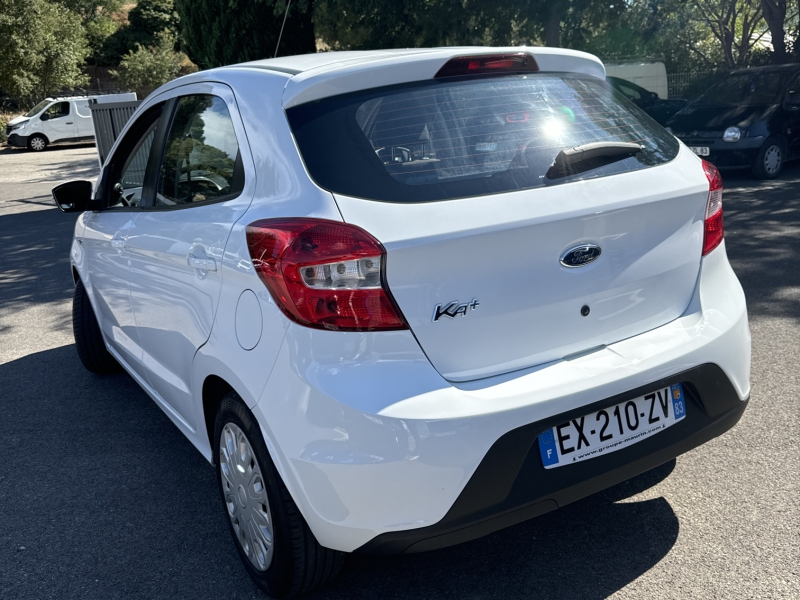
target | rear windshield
x=445, y=139
x=747, y=88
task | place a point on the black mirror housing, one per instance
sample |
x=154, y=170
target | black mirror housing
x=793, y=98
x=44, y=117
x=73, y=196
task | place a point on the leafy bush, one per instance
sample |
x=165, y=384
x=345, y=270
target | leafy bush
x=146, y=68
x=145, y=21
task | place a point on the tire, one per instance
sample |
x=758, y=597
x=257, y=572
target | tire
x=770, y=159
x=37, y=142
x=88, y=337
x=294, y=563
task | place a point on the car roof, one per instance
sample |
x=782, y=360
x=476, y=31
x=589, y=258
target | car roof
x=767, y=68
x=314, y=76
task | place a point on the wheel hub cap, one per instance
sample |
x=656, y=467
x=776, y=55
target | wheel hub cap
x=772, y=159
x=245, y=496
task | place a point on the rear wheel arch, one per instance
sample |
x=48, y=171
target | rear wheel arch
x=215, y=388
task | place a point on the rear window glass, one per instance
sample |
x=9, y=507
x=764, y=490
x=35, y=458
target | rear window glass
x=446, y=139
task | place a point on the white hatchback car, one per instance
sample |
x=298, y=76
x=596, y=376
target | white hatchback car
x=402, y=299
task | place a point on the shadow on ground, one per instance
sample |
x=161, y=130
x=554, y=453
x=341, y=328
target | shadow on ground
x=36, y=267
x=762, y=236
x=110, y=500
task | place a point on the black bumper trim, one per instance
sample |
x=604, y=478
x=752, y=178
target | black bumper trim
x=511, y=484
x=19, y=141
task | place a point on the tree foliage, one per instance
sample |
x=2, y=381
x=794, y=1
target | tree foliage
x=221, y=32
x=146, y=68
x=42, y=48
x=96, y=18
x=145, y=21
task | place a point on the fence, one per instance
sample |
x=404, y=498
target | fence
x=689, y=86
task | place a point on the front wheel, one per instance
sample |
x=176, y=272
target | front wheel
x=769, y=161
x=274, y=542
x=37, y=143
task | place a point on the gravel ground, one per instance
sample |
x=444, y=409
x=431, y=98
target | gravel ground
x=101, y=496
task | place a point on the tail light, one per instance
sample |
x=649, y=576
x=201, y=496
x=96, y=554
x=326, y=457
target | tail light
x=324, y=274
x=713, y=230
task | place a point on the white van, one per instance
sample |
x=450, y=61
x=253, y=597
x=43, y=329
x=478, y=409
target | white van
x=652, y=76
x=65, y=119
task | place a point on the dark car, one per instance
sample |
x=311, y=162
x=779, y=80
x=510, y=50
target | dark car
x=749, y=119
x=661, y=110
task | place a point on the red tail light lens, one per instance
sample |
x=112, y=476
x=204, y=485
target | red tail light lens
x=324, y=274
x=713, y=230
x=518, y=62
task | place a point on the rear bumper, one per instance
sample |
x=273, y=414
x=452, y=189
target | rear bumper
x=511, y=485
x=20, y=141
x=382, y=454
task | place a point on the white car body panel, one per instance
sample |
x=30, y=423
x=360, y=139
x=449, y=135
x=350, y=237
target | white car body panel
x=463, y=249
x=362, y=458
x=367, y=435
x=173, y=302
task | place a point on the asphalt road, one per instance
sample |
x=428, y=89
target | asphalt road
x=102, y=497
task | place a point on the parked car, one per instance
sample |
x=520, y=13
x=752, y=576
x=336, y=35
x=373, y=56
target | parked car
x=390, y=329
x=749, y=119
x=54, y=120
x=649, y=102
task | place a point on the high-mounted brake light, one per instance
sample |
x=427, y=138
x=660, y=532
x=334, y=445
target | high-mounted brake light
x=518, y=62
x=713, y=229
x=324, y=274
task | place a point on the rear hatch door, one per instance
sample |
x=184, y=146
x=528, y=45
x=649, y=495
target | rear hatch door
x=454, y=179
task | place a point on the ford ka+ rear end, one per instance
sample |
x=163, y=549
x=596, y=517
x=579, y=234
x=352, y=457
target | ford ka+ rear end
x=528, y=301
x=474, y=285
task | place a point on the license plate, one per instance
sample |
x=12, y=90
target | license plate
x=700, y=150
x=612, y=428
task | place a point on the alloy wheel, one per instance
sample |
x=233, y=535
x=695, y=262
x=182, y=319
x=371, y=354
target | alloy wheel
x=246, y=496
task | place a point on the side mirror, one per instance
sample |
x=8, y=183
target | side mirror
x=793, y=98
x=73, y=196
x=653, y=96
x=44, y=117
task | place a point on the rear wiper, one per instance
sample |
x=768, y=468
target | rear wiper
x=585, y=157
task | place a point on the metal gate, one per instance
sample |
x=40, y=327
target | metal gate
x=109, y=119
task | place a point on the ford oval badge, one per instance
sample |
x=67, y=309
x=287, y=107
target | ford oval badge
x=580, y=256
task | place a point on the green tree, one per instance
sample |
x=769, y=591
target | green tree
x=42, y=48
x=145, y=20
x=96, y=17
x=222, y=32
x=146, y=68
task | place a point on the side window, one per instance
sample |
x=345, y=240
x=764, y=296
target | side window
x=630, y=92
x=128, y=166
x=59, y=109
x=201, y=157
x=82, y=108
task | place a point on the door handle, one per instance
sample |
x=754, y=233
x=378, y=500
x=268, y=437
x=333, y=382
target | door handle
x=204, y=264
x=118, y=241
x=70, y=123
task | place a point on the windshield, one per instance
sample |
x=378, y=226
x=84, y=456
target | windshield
x=38, y=108
x=450, y=138
x=746, y=89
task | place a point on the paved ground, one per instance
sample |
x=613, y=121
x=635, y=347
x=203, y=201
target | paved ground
x=108, y=500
